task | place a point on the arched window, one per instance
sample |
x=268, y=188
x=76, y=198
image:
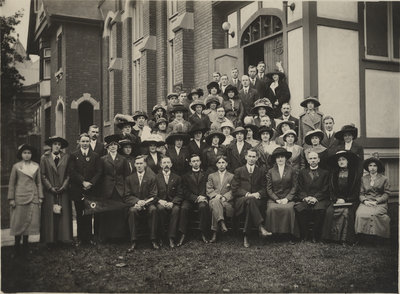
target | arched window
x=85, y=113
x=60, y=120
x=263, y=26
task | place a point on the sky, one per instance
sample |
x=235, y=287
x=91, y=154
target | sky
x=8, y=8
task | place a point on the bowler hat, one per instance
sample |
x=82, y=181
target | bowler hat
x=212, y=134
x=280, y=151
x=24, y=147
x=379, y=164
x=346, y=129
x=276, y=72
x=139, y=113
x=213, y=85
x=51, y=140
x=312, y=99
x=350, y=156
x=310, y=134
x=231, y=88
x=170, y=95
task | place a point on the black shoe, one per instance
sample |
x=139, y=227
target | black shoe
x=132, y=248
x=155, y=245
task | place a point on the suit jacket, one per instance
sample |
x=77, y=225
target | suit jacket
x=81, y=169
x=309, y=123
x=214, y=185
x=55, y=176
x=285, y=187
x=171, y=192
x=114, y=174
x=210, y=158
x=248, y=99
x=317, y=187
x=193, y=186
x=330, y=144
x=204, y=120
x=151, y=164
x=238, y=84
x=99, y=149
x=179, y=162
x=236, y=159
x=260, y=86
x=243, y=182
x=135, y=192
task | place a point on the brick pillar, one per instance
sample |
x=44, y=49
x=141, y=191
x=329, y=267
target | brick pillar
x=161, y=54
x=127, y=65
x=184, y=58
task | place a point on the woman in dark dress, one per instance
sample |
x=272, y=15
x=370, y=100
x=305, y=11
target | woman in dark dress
x=278, y=91
x=313, y=140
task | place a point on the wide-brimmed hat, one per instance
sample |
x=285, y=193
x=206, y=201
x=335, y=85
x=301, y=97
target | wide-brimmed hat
x=198, y=127
x=310, y=134
x=254, y=128
x=114, y=138
x=24, y=147
x=264, y=129
x=350, y=156
x=381, y=167
x=239, y=130
x=231, y=88
x=347, y=129
x=51, y=140
x=197, y=102
x=195, y=91
x=139, y=113
x=124, y=142
x=212, y=100
x=170, y=140
x=178, y=107
x=276, y=72
x=153, y=139
x=308, y=99
x=157, y=107
x=289, y=132
x=213, y=85
x=161, y=120
x=290, y=123
x=212, y=134
x=121, y=120
x=170, y=95
x=261, y=103
x=227, y=124
x=280, y=151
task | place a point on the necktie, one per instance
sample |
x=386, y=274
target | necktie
x=215, y=150
x=140, y=178
x=245, y=91
x=166, y=179
x=56, y=160
x=250, y=169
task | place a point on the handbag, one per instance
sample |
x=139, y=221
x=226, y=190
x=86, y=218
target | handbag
x=56, y=206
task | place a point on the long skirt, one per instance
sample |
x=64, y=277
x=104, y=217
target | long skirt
x=281, y=218
x=56, y=227
x=25, y=219
x=113, y=224
x=339, y=224
x=373, y=220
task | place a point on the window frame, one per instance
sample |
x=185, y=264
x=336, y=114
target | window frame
x=137, y=21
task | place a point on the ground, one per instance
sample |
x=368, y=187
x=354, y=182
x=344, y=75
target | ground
x=267, y=266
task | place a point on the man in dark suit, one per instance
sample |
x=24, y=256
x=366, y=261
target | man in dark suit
x=170, y=198
x=141, y=193
x=249, y=191
x=286, y=116
x=235, y=79
x=178, y=153
x=85, y=172
x=194, y=193
x=329, y=141
x=248, y=95
x=313, y=194
x=259, y=85
x=236, y=150
x=95, y=145
x=261, y=76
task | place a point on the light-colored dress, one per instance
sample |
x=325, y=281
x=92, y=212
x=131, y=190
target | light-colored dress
x=25, y=188
x=373, y=220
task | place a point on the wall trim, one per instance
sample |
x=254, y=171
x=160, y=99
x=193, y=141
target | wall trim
x=335, y=23
x=184, y=21
x=85, y=97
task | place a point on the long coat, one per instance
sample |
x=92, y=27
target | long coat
x=236, y=159
x=171, y=192
x=280, y=94
x=56, y=227
x=248, y=99
x=203, y=120
x=285, y=187
x=114, y=174
x=260, y=86
x=308, y=122
x=99, y=149
x=179, y=162
x=173, y=125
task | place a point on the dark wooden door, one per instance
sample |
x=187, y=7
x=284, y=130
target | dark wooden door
x=273, y=52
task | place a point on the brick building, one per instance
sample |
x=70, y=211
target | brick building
x=121, y=56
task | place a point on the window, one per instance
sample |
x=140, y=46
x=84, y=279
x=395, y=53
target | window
x=137, y=21
x=261, y=27
x=171, y=65
x=59, y=51
x=172, y=7
x=46, y=63
x=381, y=30
x=136, y=101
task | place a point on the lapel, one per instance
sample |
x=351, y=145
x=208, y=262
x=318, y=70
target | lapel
x=52, y=163
x=109, y=158
x=19, y=167
x=308, y=121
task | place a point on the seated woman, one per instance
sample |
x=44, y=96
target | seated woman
x=252, y=133
x=281, y=189
x=233, y=105
x=159, y=111
x=313, y=140
x=344, y=186
x=297, y=161
x=178, y=110
x=265, y=147
x=371, y=215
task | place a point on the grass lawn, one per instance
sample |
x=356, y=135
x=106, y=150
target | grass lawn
x=267, y=266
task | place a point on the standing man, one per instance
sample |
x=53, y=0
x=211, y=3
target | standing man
x=314, y=197
x=170, y=198
x=194, y=193
x=329, y=141
x=259, y=85
x=216, y=76
x=85, y=172
x=248, y=95
x=249, y=191
x=261, y=76
x=286, y=116
x=224, y=84
x=235, y=79
x=141, y=192
x=95, y=145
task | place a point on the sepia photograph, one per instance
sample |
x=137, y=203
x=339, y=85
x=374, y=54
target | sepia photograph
x=199, y=146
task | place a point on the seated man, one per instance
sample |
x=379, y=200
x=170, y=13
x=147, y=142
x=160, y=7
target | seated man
x=313, y=185
x=249, y=191
x=170, y=197
x=194, y=193
x=220, y=194
x=141, y=192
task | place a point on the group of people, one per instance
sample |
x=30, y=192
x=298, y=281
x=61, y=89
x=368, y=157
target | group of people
x=238, y=156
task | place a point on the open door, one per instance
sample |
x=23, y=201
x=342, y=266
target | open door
x=223, y=60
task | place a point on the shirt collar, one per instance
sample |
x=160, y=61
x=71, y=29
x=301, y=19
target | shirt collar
x=54, y=156
x=314, y=168
x=85, y=151
x=195, y=171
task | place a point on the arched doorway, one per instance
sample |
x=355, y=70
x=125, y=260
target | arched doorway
x=263, y=40
x=85, y=114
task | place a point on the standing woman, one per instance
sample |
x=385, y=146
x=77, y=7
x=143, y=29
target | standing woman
x=24, y=196
x=56, y=222
x=371, y=216
x=214, y=140
x=313, y=139
x=344, y=187
x=125, y=149
x=252, y=134
x=310, y=119
x=113, y=224
x=266, y=147
x=278, y=91
x=297, y=160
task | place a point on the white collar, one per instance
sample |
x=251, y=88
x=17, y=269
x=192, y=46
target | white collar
x=314, y=168
x=195, y=171
x=248, y=166
x=166, y=174
x=54, y=156
x=85, y=151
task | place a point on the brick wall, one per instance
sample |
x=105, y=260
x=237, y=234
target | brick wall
x=127, y=65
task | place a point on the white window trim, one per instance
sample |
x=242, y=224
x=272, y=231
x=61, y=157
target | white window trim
x=390, y=52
